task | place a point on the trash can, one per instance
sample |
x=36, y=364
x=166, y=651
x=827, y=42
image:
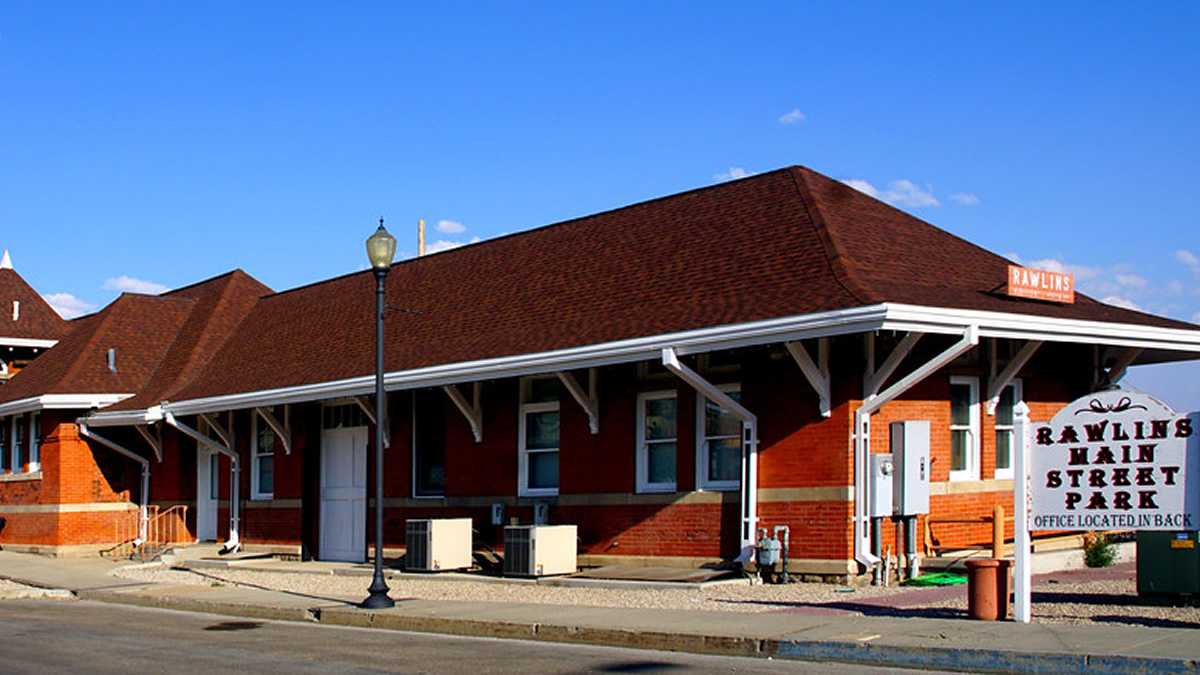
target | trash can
x=987, y=589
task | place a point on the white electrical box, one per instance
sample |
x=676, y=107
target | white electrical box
x=539, y=550
x=910, y=449
x=436, y=545
x=881, y=486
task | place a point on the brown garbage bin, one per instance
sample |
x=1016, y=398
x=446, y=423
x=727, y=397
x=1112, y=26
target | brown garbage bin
x=987, y=589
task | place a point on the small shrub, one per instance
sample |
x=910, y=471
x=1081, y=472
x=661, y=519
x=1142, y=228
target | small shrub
x=1098, y=550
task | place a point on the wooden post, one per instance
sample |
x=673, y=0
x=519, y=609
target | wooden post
x=998, y=532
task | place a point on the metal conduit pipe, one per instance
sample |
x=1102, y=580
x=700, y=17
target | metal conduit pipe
x=234, y=542
x=862, y=438
x=143, y=506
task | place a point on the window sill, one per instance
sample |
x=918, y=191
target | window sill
x=262, y=498
x=656, y=489
x=15, y=477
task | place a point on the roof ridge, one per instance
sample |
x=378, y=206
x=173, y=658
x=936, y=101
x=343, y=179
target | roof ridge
x=841, y=272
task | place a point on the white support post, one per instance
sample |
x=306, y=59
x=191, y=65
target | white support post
x=1022, y=577
x=472, y=411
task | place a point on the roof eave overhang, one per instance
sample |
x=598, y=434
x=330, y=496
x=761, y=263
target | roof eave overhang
x=884, y=316
x=27, y=342
x=121, y=418
x=60, y=402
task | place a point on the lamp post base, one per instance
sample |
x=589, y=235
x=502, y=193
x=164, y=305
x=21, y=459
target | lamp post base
x=378, y=598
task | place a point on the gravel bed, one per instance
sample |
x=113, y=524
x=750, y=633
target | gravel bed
x=1074, y=598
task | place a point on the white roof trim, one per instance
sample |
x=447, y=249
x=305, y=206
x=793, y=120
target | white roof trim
x=27, y=342
x=883, y=316
x=60, y=402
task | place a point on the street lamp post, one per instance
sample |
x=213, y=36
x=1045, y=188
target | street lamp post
x=381, y=246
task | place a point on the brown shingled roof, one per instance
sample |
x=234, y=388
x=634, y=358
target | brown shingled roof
x=159, y=342
x=35, y=320
x=786, y=243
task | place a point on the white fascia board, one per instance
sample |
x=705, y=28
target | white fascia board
x=1047, y=329
x=824, y=324
x=884, y=316
x=27, y=342
x=60, y=402
x=121, y=418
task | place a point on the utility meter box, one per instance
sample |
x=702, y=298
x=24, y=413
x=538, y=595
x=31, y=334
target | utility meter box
x=881, y=486
x=910, y=451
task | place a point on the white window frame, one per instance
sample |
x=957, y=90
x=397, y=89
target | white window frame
x=256, y=454
x=523, y=488
x=972, y=429
x=35, y=445
x=702, y=479
x=1018, y=396
x=643, y=443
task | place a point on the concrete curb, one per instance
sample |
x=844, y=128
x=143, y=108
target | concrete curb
x=815, y=651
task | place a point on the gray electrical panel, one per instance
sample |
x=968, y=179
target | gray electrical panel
x=881, y=486
x=910, y=452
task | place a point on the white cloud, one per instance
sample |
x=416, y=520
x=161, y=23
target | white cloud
x=899, y=193
x=131, y=285
x=1188, y=258
x=734, y=173
x=1132, y=280
x=1196, y=317
x=1117, y=301
x=445, y=245
x=792, y=117
x=965, y=198
x=68, y=306
x=1174, y=287
x=450, y=227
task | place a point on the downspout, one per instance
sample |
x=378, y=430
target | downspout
x=234, y=542
x=143, y=508
x=862, y=438
x=749, y=491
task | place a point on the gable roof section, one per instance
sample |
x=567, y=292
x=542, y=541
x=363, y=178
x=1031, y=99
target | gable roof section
x=34, y=322
x=790, y=243
x=158, y=341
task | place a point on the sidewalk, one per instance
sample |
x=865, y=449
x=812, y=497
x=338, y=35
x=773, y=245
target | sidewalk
x=846, y=636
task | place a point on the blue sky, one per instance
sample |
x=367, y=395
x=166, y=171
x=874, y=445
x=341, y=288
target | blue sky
x=146, y=146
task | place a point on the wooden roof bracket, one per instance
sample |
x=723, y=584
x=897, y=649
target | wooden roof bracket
x=155, y=439
x=588, y=400
x=997, y=383
x=873, y=380
x=364, y=402
x=817, y=372
x=283, y=430
x=1113, y=374
x=473, y=411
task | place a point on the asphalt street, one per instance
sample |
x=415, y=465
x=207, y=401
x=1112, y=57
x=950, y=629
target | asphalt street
x=49, y=636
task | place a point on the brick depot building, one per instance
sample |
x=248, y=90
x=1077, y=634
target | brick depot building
x=668, y=376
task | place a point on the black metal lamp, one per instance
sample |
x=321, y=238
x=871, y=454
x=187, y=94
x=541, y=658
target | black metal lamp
x=381, y=246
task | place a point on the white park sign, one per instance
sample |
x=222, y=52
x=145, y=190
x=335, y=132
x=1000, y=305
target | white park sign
x=1114, y=460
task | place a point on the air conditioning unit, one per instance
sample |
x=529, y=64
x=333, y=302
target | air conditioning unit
x=539, y=550
x=438, y=544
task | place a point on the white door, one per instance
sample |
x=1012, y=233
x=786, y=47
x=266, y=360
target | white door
x=208, y=492
x=344, y=494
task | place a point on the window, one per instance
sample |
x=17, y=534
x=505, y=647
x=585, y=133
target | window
x=538, y=437
x=35, y=444
x=5, y=435
x=262, y=464
x=341, y=416
x=656, y=441
x=18, y=444
x=719, y=446
x=429, y=445
x=1010, y=396
x=964, y=428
